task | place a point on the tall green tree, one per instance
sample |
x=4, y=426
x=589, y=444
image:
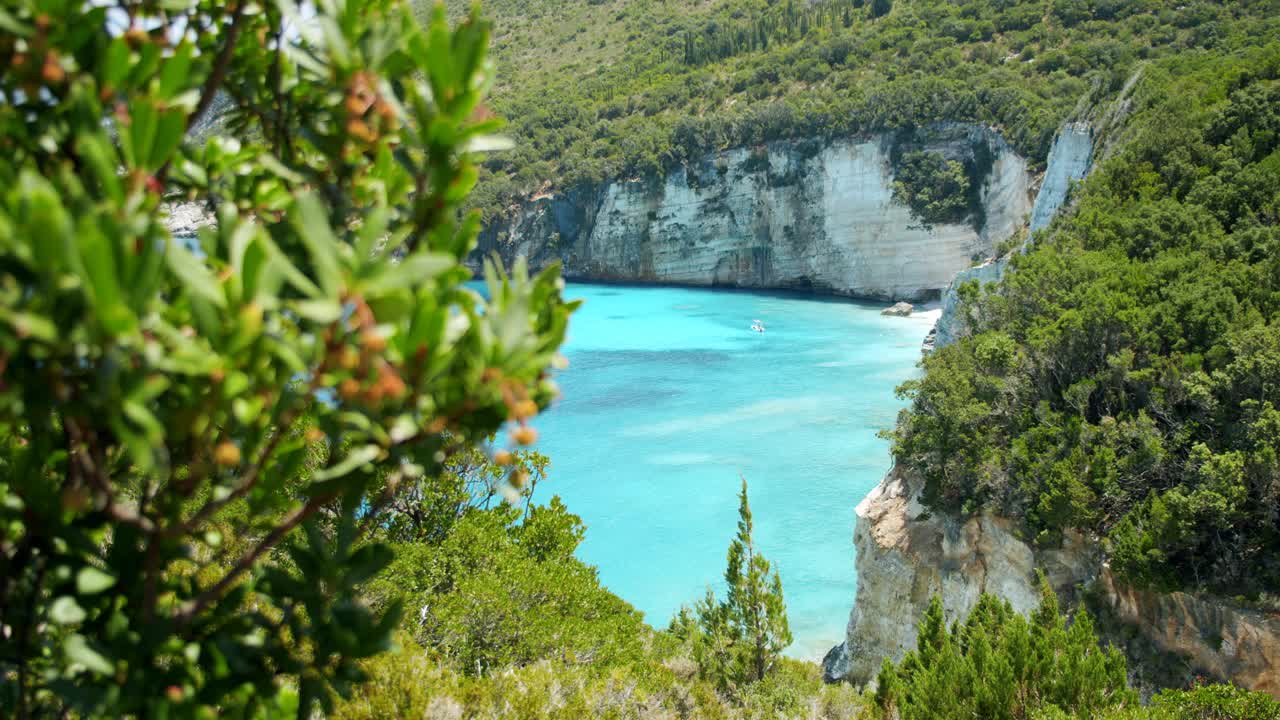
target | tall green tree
x=998, y=664
x=196, y=434
x=740, y=639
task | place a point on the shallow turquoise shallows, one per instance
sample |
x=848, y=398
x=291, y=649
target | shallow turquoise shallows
x=670, y=396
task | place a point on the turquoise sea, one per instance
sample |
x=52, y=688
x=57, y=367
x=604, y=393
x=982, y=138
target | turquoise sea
x=670, y=397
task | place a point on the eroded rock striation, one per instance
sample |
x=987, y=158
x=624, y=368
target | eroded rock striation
x=795, y=214
x=906, y=554
x=1205, y=636
x=1070, y=160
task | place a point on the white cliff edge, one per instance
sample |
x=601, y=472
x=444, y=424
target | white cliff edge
x=803, y=215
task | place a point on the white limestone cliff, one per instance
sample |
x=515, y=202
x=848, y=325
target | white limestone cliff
x=907, y=554
x=1070, y=159
x=790, y=215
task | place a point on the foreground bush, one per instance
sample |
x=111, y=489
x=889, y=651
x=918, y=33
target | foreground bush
x=195, y=434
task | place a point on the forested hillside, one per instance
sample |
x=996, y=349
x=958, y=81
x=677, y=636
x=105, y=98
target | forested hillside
x=604, y=89
x=1125, y=377
x=281, y=467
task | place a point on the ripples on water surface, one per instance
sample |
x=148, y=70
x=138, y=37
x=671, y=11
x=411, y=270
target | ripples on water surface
x=669, y=396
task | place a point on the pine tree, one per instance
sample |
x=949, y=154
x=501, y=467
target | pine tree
x=755, y=598
x=880, y=8
x=740, y=639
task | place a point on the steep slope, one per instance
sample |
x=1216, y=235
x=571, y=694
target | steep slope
x=619, y=108
x=1119, y=386
x=810, y=215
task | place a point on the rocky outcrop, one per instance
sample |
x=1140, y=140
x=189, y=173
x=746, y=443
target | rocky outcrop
x=898, y=309
x=906, y=555
x=1069, y=162
x=184, y=219
x=797, y=214
x=1206, y=636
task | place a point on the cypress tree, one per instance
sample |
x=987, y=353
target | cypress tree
x=755, y=598
x=740, y=639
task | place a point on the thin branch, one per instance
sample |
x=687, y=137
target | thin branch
x=246, y=484
x=79, y=451
x=210, y=595
x=214, y=81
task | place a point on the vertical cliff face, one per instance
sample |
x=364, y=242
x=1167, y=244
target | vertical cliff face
x=1204, y=636
x=789, y=215
x=1069, y=161
x=906, y=555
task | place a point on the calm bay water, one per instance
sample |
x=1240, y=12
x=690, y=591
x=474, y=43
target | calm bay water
x=670, y=396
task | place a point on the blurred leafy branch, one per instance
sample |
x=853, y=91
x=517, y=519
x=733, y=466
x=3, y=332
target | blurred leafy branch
x=197, y=434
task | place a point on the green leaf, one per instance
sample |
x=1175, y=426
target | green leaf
x=175, y=72
x=413, y=270
x=99, y=268
x=116, y=66
x=91, y=581
x=78, y=650
x=356, y=458
x=319, y=311
x=29, y=325
x=102, y=160
x=309, y=219
x=142, y=132
x=490, y=143
x=12, y=24
x=367, y=562
x=194, y=274
x=65, y=611
x=170, y=128
x=273, y=165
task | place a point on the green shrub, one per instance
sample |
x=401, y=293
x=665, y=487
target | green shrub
x=196, y=434
x=935, y=188
x=1139, y=398
x=998, y=664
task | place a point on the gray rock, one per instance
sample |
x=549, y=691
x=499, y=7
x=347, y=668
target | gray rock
x=898, y=309
x=1069, y=161
x=835, y=664
x=792, y=214
x=184, y=219
x=907, y=554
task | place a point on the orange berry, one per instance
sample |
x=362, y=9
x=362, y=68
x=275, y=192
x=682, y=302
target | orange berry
x=524, y=435
x=503, y=457
x=226, y=454
x=526, y=409
x=357, y=129
x=393, y=386
x=349, y=389
x=174, y=693
x=373, y=341
x=52, y=72
x=315, y=434
x=518, y=479
x=349, y=359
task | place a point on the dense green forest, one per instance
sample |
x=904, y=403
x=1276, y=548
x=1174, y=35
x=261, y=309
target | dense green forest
x=280, y=468
x=597, y=90
x=1125, y=376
